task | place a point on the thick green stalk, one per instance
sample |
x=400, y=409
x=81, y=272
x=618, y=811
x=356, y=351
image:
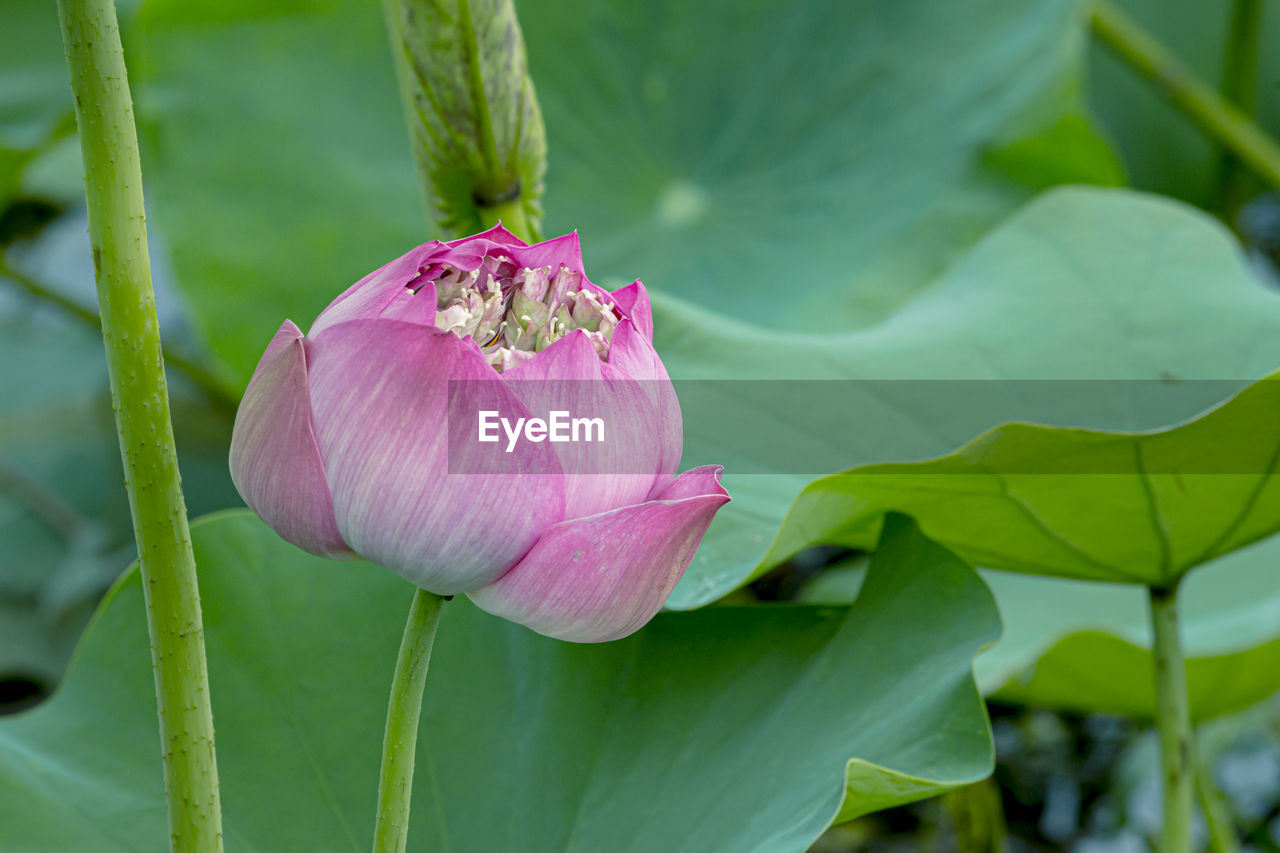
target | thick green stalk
x=117, y=232
x=1217, y=117
x=400, y=740
x=1173, y=719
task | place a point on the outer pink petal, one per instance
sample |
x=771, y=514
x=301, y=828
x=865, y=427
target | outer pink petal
x=567, y=376
x=496, y=234
x=634, y=302
x=603, y=577
x=632, y=355
x=275, y=462
x=562, y=251
x=383, y=292
x=380, y=395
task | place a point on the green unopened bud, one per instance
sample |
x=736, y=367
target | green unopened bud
x=476, y=128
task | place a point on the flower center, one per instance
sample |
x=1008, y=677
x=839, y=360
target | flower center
x=514, y=312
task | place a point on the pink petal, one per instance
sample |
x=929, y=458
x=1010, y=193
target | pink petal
x=383, y=292
x=603, y=577
x=632, y=355
x=696, y=482
x=275, y=462
x=562, y=251
x=379, y=391
x=496, y=234
x=567, y=376
x=572, y=357
x=634, y=302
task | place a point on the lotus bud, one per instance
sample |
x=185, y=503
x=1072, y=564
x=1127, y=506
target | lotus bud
x=341, y=443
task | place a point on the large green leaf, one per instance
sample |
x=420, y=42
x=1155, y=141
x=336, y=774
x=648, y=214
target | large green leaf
x=726, y=729
x=1128, y=507
x=1080, y=285
x=808, y=167
x=696, y=155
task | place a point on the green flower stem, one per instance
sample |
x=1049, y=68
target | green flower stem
x=1221, y=120
x=395, y=783
x=117, y=232
x=1173, y=718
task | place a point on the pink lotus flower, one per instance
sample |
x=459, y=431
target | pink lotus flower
x=341, y=441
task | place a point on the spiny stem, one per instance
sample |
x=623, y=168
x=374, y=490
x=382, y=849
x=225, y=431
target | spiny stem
x=117, y=232
x=205, y=380
x=1173, y=720
x=1218, y=118
x=400, y=740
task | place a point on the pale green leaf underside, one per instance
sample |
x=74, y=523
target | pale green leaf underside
x=726, y=729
